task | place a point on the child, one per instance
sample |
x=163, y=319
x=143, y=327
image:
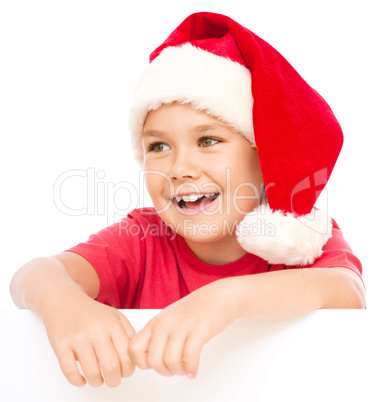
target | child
x=236, y=148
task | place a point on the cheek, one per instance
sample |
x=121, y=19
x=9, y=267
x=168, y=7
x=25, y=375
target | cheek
x=158, y=186
x=246, y=197
x=246, y=185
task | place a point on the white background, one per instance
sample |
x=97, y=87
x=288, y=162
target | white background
x=67, y=71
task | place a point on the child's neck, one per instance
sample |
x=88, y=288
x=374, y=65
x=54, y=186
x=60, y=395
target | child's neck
x=219, y=253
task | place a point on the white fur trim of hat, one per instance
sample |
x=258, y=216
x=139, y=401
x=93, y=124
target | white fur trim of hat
x=187, y=74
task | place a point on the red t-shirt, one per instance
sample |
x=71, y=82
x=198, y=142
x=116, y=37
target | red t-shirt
x=142, y=263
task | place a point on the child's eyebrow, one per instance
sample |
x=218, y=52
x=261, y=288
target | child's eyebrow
x=210, y=127
x=152, y=133
x=202, y=128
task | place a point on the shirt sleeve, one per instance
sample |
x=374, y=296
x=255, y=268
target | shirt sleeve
x=337, y=253
x=115, y=254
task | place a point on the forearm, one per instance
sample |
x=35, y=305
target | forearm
x=294, y=292
x=41, y=281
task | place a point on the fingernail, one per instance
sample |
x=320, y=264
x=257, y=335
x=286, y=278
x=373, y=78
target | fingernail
x=82, y=385
x=191, y=376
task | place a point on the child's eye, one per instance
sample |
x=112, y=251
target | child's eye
x=208, y=141
x=158, y=147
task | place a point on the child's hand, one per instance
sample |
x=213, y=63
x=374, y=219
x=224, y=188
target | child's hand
x=94, y=334
x=172, y=341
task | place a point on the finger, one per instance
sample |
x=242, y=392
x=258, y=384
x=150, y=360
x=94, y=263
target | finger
x=130, y=330
x=121, y=346
x=192, y=351
x=68, y=364
x=174, y=354
x=109, y=362
x=120, y=341
x=138, y=346
x=155, y=353
x=90, y=365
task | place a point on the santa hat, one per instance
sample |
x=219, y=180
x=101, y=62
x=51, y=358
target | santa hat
x=220, y=67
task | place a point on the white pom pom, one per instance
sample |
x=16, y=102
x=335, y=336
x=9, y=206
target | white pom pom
x=283, y=238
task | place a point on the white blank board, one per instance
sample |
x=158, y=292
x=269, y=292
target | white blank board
x=329, y=355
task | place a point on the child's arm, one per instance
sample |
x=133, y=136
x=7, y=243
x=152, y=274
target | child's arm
x=61, y=290
x=175, y=337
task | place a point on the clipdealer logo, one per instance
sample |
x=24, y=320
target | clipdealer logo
x=103, y=198
x=115, y=200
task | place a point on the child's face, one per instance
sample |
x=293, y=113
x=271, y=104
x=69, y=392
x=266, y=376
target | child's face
x=189, y=152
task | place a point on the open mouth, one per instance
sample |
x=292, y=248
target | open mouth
x=194, y=202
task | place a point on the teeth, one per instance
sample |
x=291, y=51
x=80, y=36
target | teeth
x=193, y=197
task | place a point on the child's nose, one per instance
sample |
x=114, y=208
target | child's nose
x=185, y=166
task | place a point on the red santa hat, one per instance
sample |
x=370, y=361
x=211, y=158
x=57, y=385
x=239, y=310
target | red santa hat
x=220, y=67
